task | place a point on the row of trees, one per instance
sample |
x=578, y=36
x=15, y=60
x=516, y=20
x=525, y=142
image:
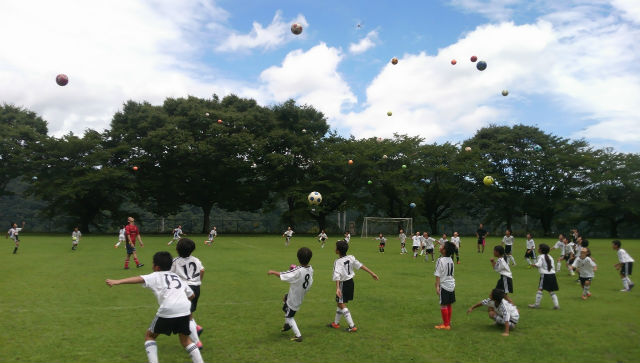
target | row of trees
x=237, y=155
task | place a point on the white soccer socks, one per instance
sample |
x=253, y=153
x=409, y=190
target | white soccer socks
x=558, y=265
x=529, y=261
x=194, y=352
x=538, y=298
x=513, y=260
x=347, y=316
x=193, y=328
x=293, y=325
x=625, y=283
x=585, y=290
x=554, y=298
x=151, y=348
x=338, y=316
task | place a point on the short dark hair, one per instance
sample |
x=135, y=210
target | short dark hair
x=617, y=243
x=163, y=260
x=499, y=249
x=304, y=255
x=185, y=247
x=342, y=246
x=449, y=248
x=585, y=242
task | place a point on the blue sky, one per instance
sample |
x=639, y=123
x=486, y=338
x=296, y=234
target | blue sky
x=570, y=66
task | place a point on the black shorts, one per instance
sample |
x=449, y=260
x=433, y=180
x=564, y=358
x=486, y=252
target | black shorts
x=447, y=297
x=456, y=252
x=566, y=258
x=507, y=249
x=429, y=250
x=505, y=283
x=288, y=312
x=168, y=326
x=130, y=250
x=481, y=241
x=383, y=244
x=530, y=254
x=548, y=282
x=571, y=260
x=196, y=295
x=415, y=248
x=402, y=244
x=346, y=287
x=585, y=279
x=626, y=269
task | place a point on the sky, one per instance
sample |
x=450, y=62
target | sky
x=570, y=67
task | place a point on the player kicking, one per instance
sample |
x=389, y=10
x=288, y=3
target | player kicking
x=13, y=233
x=190, y=269
x=121, y=237
x=428, y=245
x=177, y=234
x=416, y=242
x=300, y=279
x=75, y=238
x=212, y=236
x=287, y=236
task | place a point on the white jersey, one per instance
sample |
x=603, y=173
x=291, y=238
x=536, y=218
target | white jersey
x=176, y=233
x=508, y=240
x=382, y=239
x=531, y=244
x=569, y=248
x=585, y=266
x=300, y=280
x=402, y=237
x=502, y=267
x=13, y=232
x=624, y=257
x=121, y=236
x=188, y=269
x=444, y=270
x=347, y=237
x=172, y=293
x=75, y=235
x=416, y=241
x=288, y=233
x=456, y=241
x=508, y=312
x=322, y=237
x=212, y=234
x=442, y=241
x=560, y=246
x=541, y=264
x=345, y=268
x=428, y=242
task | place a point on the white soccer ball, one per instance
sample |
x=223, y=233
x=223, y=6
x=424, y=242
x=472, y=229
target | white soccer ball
x=314, y=198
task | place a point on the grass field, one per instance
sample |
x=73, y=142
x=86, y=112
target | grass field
x=56, y=307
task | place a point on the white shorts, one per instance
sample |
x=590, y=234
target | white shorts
x=500, y=321
x=121, y=238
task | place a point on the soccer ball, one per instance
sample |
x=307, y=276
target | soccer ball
x=384, y=156
x=389, y=113
x=62, y=79
x=482, y=65
x=537, y=148
x=350, y=162
x=314, y=198
x=207, y=114
x=394, y=60
x=296, y=28
x=453, y=62
x=505, y=92
x=219, y=121
x=404, y=166
x=488, y=180
x=412, y=205
x=74, y=238
x=135, y=168
x=468, y=148
x=474, y=58
x=369, y=182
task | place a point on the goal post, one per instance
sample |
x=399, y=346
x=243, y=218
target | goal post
x=371, y=226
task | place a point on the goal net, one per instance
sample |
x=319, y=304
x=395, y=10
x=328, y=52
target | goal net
x=371, y=226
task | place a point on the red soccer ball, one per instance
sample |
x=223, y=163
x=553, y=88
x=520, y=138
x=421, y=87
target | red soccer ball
x=135, y=168
x=296, y=28
x=474, y=58
x=62, y=79
x=219, y=121
x=453, y=62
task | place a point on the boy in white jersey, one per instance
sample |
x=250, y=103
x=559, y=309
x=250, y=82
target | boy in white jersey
x=507, y=242
x=548, y=279
x=559, y=246
x=344, y=270
x=417, y=241
x=121, y=237
x=501, y=266
x=190, y=269
x=177, y=234
x=402, y=237
x=456, y=242
x=585, y=266
x=322, y=238
x=428, y=245
x=212, y=236
x=287, y=236
x=501, y=310
x=625, y=266
x=530, y=253
x=382, y=242
x=13, y=233
x=445, y=284
x=300, y=279
x=75, y=238
x=173, y=313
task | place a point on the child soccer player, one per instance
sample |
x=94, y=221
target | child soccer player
x=383, y=242
x=212, y=236
x=481, y=233
x=502, y=311
x=456, y=242
x=13, y=233
x=300, y=279
x=586, y=267
x=501, y=266
x=344, y=270
x=445, y=284
x=190, y=269
x=507, y=242
x=347, y=236
x=548, y=279
x=177, y=233
x=322, y=237
x=287, y=236
x=625, y=266
x=428, y=246
x=559, y=246
x=132, y=233
x=75, y=238
x=402, y=237
x=530, y=253
x=121, y=237
x=416, y=242
x=567, y=253
x=173, y=314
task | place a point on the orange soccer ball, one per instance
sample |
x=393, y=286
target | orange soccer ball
x=394, y=60
x=219, y=121
x=135, y=168
x=453, y=62
x=350, y=162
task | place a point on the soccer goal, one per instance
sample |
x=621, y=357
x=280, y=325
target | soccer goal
x=371, y=226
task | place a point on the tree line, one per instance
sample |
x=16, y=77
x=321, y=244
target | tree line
x=239, y=156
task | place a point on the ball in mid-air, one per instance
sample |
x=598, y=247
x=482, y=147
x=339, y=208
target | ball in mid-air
x=219, y=121
x=135, y=168
x=350, y=162
x=304, y=131
x=488, y=180
x=482, y=65
x=296, y=28
x=412, y=205
x=369, y=182
x=62, y=79
x=384, y=156
x=453, y=62
x=389, y=113
x=537, y=148
x=505, y=92
x=379, y=139
x=314, y=198
x=468, y=148
x=474, y=58
x=404, y=166
x=394, y=60
x=207, y=114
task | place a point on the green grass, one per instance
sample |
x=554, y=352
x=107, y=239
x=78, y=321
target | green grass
x=55, y=306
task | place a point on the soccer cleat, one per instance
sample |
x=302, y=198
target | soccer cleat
x=115, y=246
x=588, y=294
x=333, y=325
x=534, y=306
x=631, y=286
x=457, y=263
x=556, y=307
x=140, y=265
x=286, y=327
x=443, y=327
x=296, y=339
x=625, y=290
x=352, y=329
x=199, y=329
x=199, y=345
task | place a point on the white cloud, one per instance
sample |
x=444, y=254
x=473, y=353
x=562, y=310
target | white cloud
x=366, y=43
x=630, y=9
x=499, y=10
x=269, y=37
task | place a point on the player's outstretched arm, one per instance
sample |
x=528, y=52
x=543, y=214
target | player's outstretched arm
x=128, y=280
x=473, y=307
x=375, y=277
x=273, y=272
